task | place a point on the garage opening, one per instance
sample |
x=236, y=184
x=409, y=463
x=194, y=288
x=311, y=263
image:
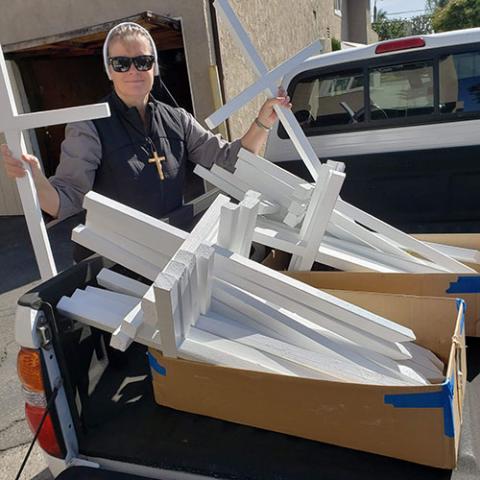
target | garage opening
x=67, y=70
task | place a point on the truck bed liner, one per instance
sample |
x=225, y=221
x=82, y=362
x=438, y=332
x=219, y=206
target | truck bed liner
x=118, y=419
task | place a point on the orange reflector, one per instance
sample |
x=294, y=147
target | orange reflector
x=29, y=369
x=402, y=44
x=47, y=438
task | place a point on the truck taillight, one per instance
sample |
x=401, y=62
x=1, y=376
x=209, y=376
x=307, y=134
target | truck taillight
x=47, y=437
x=29, y=370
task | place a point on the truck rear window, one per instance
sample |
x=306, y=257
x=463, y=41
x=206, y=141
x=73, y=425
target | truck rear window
x=365, y=95
x=460, y=83
x=400, y=91
x=329, y=101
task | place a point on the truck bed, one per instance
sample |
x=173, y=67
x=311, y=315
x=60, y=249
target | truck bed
x=116, y=418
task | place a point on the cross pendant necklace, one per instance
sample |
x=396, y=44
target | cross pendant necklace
x=158, y=161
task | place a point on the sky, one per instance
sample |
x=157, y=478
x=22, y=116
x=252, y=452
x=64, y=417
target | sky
x=394, y=6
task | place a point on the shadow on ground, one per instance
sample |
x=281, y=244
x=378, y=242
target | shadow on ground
x=17, y=260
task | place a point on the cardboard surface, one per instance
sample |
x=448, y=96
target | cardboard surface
x=430, y=284
x=418, y=424
x=450, y=285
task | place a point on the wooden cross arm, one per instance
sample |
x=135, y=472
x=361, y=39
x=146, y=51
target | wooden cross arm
x=265, y=83
x=26, y=121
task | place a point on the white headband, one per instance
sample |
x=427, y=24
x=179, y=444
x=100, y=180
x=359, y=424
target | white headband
x=144, y=31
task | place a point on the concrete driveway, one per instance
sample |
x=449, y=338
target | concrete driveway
x=19, y=273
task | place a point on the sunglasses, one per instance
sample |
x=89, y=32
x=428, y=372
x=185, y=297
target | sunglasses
x=142, y=63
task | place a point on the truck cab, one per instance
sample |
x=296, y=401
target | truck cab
x=404, y=116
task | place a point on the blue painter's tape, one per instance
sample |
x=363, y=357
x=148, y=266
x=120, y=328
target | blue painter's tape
x=470, y=284
x=461, y=303
x=441, y=399
x=155, y=365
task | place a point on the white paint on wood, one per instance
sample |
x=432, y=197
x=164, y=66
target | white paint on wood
x=402, y=238
x=168, y=312
x=13, y=124
x=88, y=239
x=205, y=264
x=247, y=218
x=311, y=297
x=411, y=265
x=228, y=221
x=293, y=220
x=127, y=300
x=103, y=301
x=92, y=314
x=293, y=328
x=127, y=222
x=223, y=185
x=461, y=254
x=120, y=283
x=271, y=169
x=317, y=217
x=290, y=123
x=330, y=368
x=317, y=318
x=271, y=188
x=346, y=260
x=264, y=83
x=367, y=236
x=235, y=355
x=132, y=321
x=153, y=257
x=188, y=281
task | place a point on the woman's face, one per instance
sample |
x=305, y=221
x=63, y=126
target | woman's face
x=132, y=85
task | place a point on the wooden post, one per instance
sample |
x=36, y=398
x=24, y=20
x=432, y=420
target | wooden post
x=13, y=123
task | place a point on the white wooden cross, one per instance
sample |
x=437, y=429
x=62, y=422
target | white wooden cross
x=12, y=124
x=212, y=305
x=266, y=82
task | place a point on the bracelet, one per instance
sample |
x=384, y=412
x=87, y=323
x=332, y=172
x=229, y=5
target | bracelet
x=258, y=123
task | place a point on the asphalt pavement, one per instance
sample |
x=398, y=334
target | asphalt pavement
x=18, y=274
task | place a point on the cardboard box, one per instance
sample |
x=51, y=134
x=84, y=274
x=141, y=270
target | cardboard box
x=464, y=286
x=417, y=424
x=448, y=285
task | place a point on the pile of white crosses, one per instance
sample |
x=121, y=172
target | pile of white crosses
x=209, y=304
x=206, y=301
x=307, y=220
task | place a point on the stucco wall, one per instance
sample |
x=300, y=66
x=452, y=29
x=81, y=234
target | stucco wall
x=31, y=19
x=278, y=29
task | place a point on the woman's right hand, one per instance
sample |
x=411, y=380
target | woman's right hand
x=15, y=168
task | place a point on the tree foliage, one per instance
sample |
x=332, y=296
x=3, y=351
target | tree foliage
x=456, y=15
x=389, y=29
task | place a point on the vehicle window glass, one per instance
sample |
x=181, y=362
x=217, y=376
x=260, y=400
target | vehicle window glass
x=403, y=90
x=330, y=100
x=460, y=83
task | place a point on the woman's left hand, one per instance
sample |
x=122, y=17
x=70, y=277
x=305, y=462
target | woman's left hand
x=267, y=115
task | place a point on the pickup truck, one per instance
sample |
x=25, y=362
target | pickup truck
x=100, y=417
x=103, y=422
x=404, y=117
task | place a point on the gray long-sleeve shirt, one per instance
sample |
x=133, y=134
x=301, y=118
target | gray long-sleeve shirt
x=81, y=154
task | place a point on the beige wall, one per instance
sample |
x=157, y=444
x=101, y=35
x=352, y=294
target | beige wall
x=359, y=22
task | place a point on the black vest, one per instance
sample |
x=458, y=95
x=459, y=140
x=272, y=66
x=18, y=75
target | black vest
x=124, y=173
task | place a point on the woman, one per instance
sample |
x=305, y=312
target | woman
x=114, y=155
